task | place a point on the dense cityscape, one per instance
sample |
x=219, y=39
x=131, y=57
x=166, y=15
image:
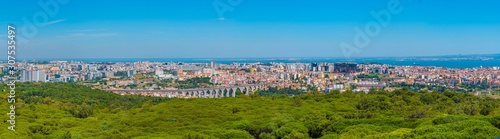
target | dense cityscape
x=323, y=77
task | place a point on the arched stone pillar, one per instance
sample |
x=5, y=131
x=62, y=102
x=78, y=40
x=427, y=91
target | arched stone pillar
x=248, y=90
x=205, y=94
x=220, y=93
x=197, y=94
x=233, y=93
x=214, y=92
x=226, y=92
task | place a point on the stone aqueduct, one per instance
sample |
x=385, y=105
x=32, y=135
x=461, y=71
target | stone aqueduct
x=194, y=93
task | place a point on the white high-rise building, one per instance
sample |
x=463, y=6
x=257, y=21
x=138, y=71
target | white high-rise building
x=33, y=76
x=212, y=64
x=26, y=76
x=130, y=73
x=158, y=72
x=38, y=76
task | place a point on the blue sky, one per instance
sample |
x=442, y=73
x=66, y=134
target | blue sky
x=254, y=28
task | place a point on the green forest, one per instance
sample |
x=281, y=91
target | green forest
x=71, y=111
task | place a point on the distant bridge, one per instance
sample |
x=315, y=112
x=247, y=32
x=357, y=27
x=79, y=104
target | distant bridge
x=217, y=92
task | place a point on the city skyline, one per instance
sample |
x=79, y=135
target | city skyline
x=252, y=29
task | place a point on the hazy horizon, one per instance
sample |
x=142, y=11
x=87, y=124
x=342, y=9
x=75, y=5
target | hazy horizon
x=340, y=57
x=258, y=29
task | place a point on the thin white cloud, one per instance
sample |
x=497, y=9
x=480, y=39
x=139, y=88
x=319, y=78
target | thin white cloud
x=221, y=19
x=54, y=22
x=81, y=30
x=93, y=34
x=86, y=30
x=90, y=35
